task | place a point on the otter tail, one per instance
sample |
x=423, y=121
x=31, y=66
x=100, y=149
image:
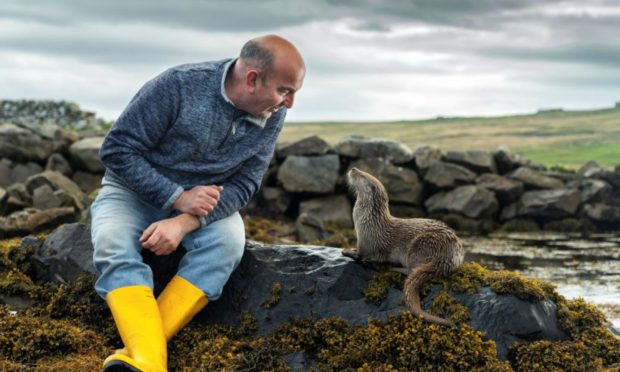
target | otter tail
x=416, y=278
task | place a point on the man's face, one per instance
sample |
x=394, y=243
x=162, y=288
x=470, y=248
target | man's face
x=276, y=91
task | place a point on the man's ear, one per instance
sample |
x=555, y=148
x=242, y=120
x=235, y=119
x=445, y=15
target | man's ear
x=251, y=78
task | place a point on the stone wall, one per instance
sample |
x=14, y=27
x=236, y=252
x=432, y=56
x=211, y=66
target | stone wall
x=48, y=170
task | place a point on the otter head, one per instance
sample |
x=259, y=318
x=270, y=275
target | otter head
x=366, y=186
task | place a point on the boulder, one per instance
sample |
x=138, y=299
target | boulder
x=535, y=180
x=66, y=253
x=309, y=228
x=592, y=190
x=23, y=145
x=362, y=147
x=470, y=200
x=21, y=172
x=424, y=156
x=317, y=174
x=601, y=212
x=275, y=199
x=506, y=190
x=32, y=220
x=505, y=160
x=313, y=145
x=402, y=184
x=58, y=182
x=87, y=182
x=85, y=153
x=43, y=197
x=552, y=204
x=334, y=209
x=475, y=160
x=57, y=162
x=448, y=176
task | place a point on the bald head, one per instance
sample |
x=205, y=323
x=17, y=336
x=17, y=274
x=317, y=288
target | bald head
x=271, y=52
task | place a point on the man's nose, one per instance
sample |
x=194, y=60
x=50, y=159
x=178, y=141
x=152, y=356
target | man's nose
x=288, y=101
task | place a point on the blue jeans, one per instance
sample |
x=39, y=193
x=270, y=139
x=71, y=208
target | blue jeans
x=120, y=216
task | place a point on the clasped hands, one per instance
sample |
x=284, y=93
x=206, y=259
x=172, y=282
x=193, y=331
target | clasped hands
x=163, y=237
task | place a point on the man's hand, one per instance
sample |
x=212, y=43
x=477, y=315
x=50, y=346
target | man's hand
x=199, y=200
x=163, y=237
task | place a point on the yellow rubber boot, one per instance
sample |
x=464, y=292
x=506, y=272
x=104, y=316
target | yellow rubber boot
x=178, y=303
x=138, y=321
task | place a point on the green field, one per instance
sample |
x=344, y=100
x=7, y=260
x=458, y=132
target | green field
x=566, y=138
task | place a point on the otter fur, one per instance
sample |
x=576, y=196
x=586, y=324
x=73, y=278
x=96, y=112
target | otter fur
x=421, y=248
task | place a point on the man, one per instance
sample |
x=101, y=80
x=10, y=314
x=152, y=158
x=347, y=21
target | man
x=187, y=153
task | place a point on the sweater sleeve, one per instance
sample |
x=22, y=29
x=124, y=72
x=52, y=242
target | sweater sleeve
x=244, y=184
x=140, y=127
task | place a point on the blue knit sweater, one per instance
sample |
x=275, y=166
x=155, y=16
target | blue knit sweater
x=180, y=131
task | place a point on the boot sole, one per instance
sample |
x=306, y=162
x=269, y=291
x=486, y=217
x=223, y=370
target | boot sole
x=119, y=366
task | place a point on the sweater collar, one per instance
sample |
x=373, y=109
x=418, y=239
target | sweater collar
x=251, y=118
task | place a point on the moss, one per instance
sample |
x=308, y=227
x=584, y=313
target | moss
x=338, y=236
x=520, y=225
x=577, y=225
x=276, y=291
x=380, y=284
x=268, y=231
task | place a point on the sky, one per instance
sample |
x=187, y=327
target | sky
x=366, y=60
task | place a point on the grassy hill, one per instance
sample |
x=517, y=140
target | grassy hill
x=566, y=138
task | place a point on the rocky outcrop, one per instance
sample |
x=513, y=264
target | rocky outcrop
x=274, y=283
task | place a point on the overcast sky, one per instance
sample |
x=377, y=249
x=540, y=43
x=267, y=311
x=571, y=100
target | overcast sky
x=366, y=60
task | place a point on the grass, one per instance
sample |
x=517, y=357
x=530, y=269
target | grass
x=567, y=138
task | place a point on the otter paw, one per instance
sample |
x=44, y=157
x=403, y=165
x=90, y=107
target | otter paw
x=351, y=252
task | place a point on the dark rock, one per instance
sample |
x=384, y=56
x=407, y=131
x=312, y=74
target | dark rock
x=535, y=180
x=316, y=174
x=406, y=211
x=6, y=167
x=57, y=162
x=21, y=172
x=507, y=319
x=313, y=145
x=506, y=190
x=477, y=161
x=32, y=220
x=19, y=198
x=592, y=190
x=602, y=212
x=43, y=197
x=386, y=149
x=85, y=153
x=505, y=160
x=296, y=361
x=401, y=184
x=448, y=176
x=553, y=204
x=334, y=209
x=66, y=253
x=471, y=201
x=424, y=156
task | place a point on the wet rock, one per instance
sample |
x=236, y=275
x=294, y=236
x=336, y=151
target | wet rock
x=535, y=180
x=316, y=174
x=448, y=176
x=362, y=147
x=85, y=153
x=58, y=182
x=313, y=145
x=477, y=161
x=507, y=319
x=506, y=190
x=335, y=209
x=33, y=220
x=66, y=253
x=471, y=201
x=57, y=162
x=552, y=204
x=401, y=184
x=424, y=156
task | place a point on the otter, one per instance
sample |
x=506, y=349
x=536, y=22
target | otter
x=421, y=248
